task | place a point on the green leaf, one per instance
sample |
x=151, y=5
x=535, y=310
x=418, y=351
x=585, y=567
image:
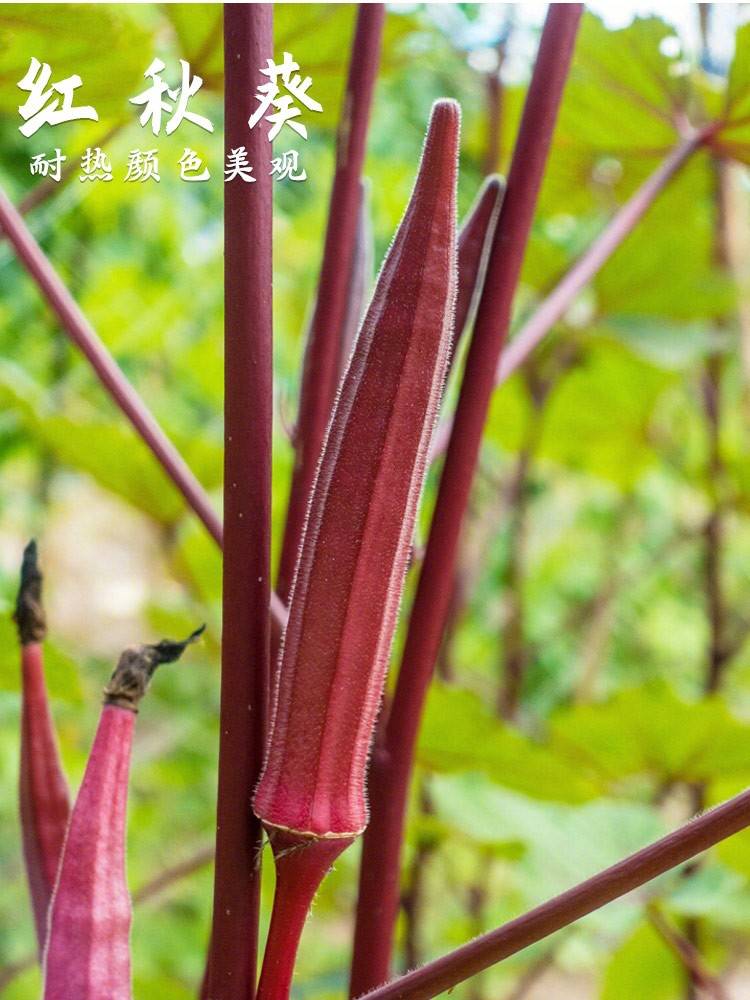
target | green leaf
x=736, y=132
x=109, y=451
x=199, y=29
x=490, y=814
x=662, y=269
x=60, y=670
x=74, y=39
x=459, y=733
x=624, y=91
x=670, y=345
x=598, y=419
x=559, y=845
x=643, y=967
x=650, y=731
x=617, y=115
x=714, y=893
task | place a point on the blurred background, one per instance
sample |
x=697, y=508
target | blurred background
x=605, y=562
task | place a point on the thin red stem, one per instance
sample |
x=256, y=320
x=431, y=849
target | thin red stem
x=596, y=256
x=321, y=368
x=301, y=866
x=559, y=300
x=612, y=883
x=391, y=770
x=248, y=44
x=111, y=376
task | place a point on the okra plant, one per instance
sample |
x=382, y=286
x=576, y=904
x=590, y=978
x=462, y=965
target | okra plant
x=317, y=743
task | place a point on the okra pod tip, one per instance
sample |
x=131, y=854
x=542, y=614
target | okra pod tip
x=29, y=614
x=136, y=666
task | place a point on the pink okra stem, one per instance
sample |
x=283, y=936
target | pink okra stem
x=88, y=948
x=43, y=790
x=301, y=865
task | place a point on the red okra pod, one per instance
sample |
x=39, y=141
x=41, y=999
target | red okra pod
x=474, y=240
x=350, y=572
x=351, y=569
x=43, y=790
x=88, y=949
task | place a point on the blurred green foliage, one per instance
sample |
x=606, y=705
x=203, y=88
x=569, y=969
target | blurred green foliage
x=586, y=550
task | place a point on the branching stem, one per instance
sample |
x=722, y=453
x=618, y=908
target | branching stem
x=561, y=911
x=559, y=300
x=391, y=772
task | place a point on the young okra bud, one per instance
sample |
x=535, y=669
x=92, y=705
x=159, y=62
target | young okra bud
x=43, y=790
x=353, y=558
x=474, y=239
x=88, y=948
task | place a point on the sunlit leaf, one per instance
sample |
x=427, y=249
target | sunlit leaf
x=459, y=733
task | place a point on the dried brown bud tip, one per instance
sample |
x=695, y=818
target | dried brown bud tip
x=136, y=666
x=29, y=613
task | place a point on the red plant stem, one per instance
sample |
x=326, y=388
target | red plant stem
x=699, y=976
x=494, y=91
x=626, y=219
x=559, y=300
x=391, y=771
x=544, y=920
x=301, y=865
x=85, y=338
x=45, y=805
x=83, y=335
x=321, y=367
x=43, y=790
x=248, y=44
